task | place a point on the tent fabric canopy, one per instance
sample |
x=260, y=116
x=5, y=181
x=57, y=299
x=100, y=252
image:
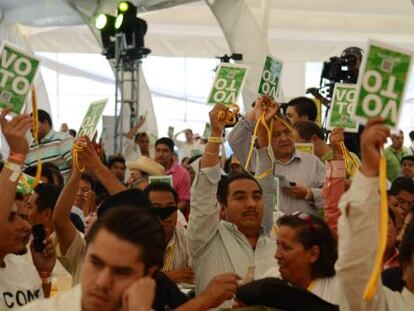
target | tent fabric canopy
x=298, y=30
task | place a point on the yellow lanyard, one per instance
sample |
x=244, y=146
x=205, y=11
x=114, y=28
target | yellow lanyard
x=350, y=163
x=376, y=271
x=36, y=139
x=76, y=149
x=311, y=285
x=263, y=122
x=169, y=258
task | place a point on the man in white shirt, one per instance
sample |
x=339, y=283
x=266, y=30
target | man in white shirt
x=20, y=280
x=188, y=148
x=358, y=229
x=176, y=258
x=226, y=237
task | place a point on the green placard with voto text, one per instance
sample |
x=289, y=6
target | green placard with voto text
x=168, y=179
x=270, y=82
x=25, y=184
x=92, y=117
x=305, y=148
x=382, y=82
x=17, y=72
x=170, y=132
x=342, y=104
x=228, y=84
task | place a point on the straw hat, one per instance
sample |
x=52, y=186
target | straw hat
x=146, y=165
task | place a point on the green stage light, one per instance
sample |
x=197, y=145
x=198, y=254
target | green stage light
x=100, y=21
x=119, y=20
x=123, y=6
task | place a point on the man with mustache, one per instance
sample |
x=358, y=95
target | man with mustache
x=237, y=242
x=20, y=281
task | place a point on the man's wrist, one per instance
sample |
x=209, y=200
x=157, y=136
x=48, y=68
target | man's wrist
x=368, y=172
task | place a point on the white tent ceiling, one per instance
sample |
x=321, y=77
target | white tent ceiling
x=298, y=30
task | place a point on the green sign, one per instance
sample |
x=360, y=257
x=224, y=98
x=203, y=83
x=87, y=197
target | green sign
x=170, y=131
x=381, y=84
x=164, y=179
x=270, y=82
x=25, y=184
x=342, y=105
x=17, y=71
x=207, y=130
x=227, y=84
x=92, y=117
x=305, y=148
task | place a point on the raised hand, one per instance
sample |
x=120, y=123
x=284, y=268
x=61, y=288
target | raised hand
x=15, y=131
x=372, y=141
x=335, y=138
x=139, y=296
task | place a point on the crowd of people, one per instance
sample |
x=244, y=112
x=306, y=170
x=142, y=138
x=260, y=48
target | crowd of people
x=179, y=226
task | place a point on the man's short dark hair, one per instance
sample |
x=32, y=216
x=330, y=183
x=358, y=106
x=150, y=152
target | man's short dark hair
x=44, y=116
x=72, y=132
x=56, y=173
x=46, y=172
x=407, y=244
x=307, y=129
x=139, y=135
x=407, y=158
x=115, y=158
x=88, y=178
x=166, y=141
x=224, y=184
x=131, y=197
x=411, y=134
x=48, y=195
x=314, y=231
x=304, y=106
x=136, y=226
x=161, y=187
x=400, y=184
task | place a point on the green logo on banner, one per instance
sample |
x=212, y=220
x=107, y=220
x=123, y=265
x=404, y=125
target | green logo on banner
x=227, y=84
x=269, y=84
x=381, y=84
x=91, y=119
x=17, y=71
x=342, y=105
x=207, y=130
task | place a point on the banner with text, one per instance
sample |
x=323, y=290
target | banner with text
x=270, y=82
x=92, y=118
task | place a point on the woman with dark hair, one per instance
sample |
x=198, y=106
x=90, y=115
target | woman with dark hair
x=306, y=254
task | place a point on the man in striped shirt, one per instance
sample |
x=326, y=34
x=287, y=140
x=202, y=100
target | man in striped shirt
x=54, y=146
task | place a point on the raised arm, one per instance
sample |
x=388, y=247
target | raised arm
x=134, y=129
x=91, y=161
x=358, y=228
x=204, y=216
x=14, y=131
x=64, y=228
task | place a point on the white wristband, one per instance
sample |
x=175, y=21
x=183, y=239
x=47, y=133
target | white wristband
x=15, y=168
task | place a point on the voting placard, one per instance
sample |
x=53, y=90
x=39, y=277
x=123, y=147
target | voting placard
x=228, y=84
x=305, y=148
x=342, y=104
x=382, y=82
x=91, y=119
x=161, y=179
x=270, y=82
x=17, y=72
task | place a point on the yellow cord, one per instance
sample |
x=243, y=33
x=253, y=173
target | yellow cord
x=36, y=138
x=375, y=274
x=262, y=121
x=350, y=163
x=229, y=117
x=76, y=149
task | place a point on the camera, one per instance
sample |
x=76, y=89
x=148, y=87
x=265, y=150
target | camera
x=342, y=69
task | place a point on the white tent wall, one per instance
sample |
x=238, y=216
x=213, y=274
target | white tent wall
x=299, y=31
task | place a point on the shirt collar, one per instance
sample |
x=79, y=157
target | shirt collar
x=172, y=169
x=49, y=136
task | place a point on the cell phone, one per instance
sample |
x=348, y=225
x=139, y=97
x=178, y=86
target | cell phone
x=39, y=235
x=292, y=183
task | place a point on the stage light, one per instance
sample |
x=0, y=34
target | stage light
x=105, y=23
x=119, y=20
x=123, y=6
